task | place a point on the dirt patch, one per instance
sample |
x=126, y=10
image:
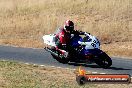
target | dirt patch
x=123, y=49
x=22, y=43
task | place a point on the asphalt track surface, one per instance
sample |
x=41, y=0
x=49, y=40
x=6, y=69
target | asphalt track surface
x=42, y=57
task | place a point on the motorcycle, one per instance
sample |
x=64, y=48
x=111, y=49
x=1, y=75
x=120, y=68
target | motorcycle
x=84, y=49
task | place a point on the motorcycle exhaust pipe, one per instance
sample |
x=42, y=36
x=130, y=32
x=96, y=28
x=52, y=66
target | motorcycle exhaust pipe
x=52, y=52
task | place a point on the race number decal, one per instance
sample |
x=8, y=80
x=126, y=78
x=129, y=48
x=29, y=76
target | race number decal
x=93, y=44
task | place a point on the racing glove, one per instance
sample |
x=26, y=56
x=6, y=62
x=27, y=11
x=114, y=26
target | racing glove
x=86, y=33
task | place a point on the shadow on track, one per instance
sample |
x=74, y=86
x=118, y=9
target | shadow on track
x=115, y=68
x=96, y=66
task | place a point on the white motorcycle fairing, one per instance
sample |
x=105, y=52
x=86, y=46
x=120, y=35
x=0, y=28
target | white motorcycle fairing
x=49, y=39
x=92, y=44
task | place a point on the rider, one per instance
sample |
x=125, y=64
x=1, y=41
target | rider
x=63, y=35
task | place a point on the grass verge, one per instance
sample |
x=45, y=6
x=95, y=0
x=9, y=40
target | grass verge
x=20, y=75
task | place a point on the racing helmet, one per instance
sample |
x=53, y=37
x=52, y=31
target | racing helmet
x=69, y=25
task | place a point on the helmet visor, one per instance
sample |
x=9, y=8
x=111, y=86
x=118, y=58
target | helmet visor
x=69, y=28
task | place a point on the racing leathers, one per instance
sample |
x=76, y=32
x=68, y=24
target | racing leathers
x=64, y=39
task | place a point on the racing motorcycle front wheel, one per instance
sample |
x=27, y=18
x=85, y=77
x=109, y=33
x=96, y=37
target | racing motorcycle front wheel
x=104, y=60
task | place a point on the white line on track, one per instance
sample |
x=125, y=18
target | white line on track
x=73, y=69
x=3, y=60
x=59, y=67
x=65, y=68
x=102, y=73
x=42, y=65
x=27, y=63
x=52, y=66
x=94, y=72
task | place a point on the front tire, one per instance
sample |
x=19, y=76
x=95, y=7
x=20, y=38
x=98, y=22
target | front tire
x=104, y=60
